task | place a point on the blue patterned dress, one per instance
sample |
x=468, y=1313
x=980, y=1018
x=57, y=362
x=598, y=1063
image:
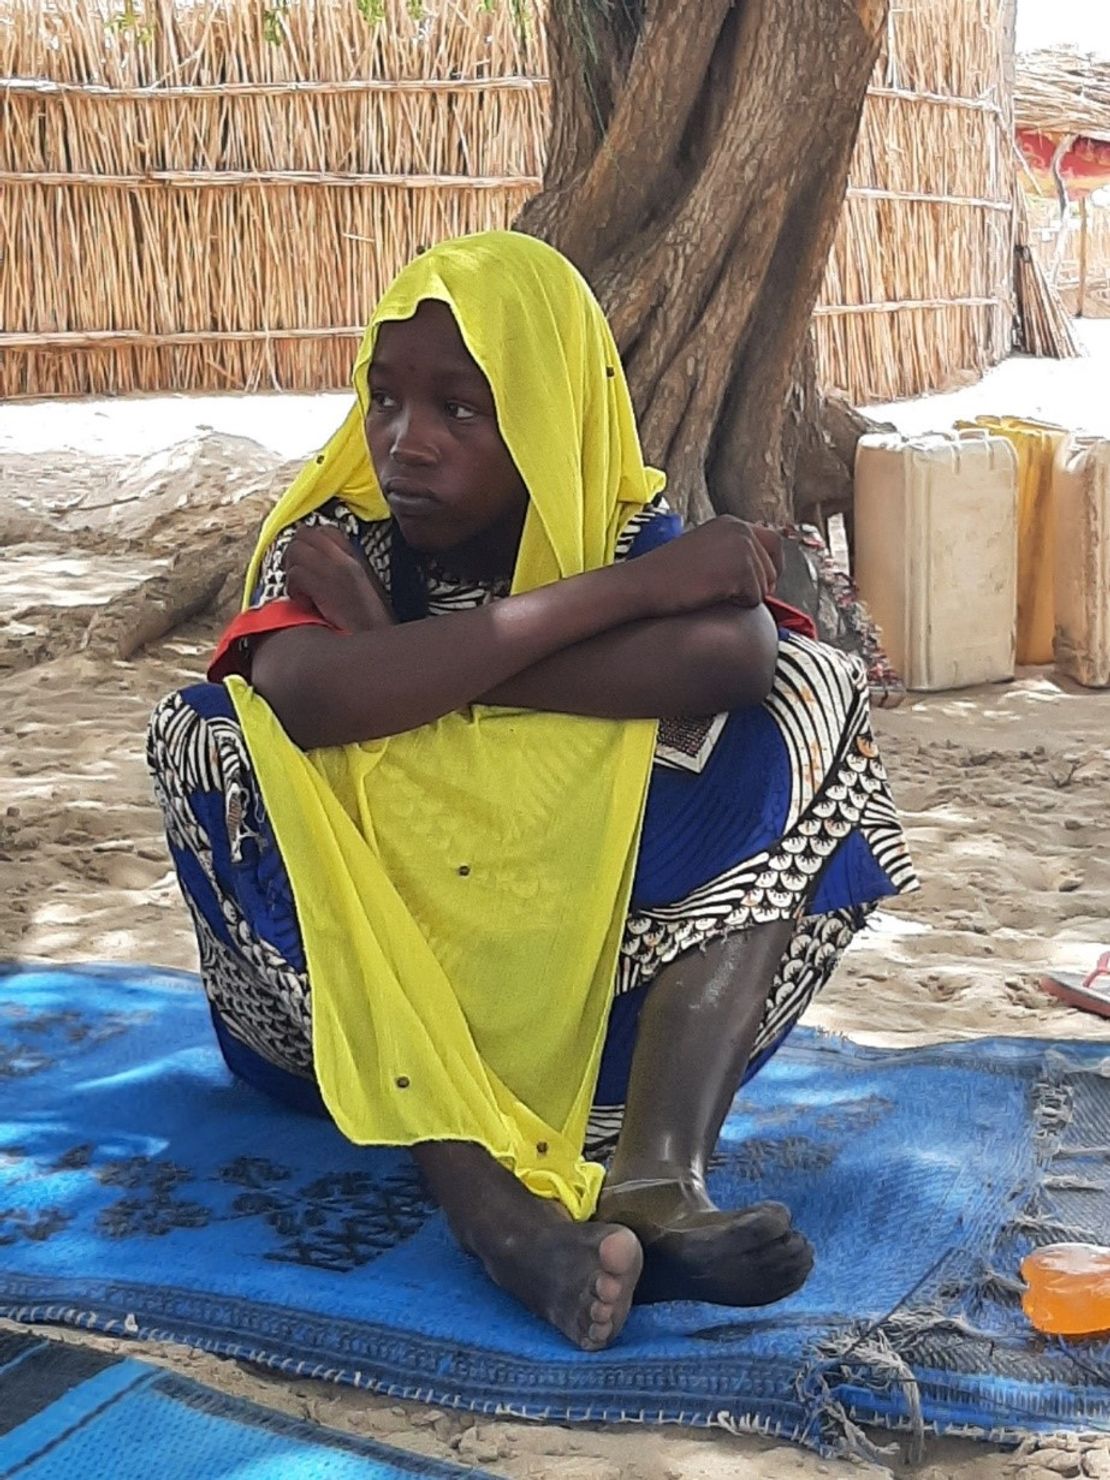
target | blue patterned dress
x=770, y=813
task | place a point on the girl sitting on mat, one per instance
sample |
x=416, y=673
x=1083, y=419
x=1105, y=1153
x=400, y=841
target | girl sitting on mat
x=511, y=800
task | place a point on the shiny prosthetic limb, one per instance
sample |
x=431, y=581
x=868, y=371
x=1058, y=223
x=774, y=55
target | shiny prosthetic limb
x=696, y=1034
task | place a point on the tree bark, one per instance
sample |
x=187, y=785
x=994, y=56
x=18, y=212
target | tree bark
x=698, y=160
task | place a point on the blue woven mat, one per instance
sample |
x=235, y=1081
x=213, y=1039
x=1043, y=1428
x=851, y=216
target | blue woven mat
x=72, y=1413
x=143, y=1191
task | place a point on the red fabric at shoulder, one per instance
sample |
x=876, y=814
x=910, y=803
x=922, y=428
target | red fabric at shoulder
x=792, y=619
x=229, y=656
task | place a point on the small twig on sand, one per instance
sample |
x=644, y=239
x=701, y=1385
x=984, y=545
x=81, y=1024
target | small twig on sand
x=1060, y=782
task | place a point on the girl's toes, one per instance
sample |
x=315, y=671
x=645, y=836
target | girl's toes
x=608, y=1288
x=620, y=1254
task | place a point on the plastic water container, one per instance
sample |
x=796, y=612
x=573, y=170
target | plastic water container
x=1036, y=444
x=936, y=554
x=1081, y=493
x=1068, y=1289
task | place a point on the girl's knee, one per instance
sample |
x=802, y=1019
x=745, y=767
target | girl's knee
x=177, y=724
x=837, y=668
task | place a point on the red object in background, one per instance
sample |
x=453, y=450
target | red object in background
x=1084, y=165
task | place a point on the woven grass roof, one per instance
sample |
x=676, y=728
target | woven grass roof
x=1063, y=91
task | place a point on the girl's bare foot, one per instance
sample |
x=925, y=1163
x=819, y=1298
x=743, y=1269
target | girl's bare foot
x=695, y=1251
x=580, y=1277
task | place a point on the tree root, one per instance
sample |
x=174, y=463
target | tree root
x=197, y=581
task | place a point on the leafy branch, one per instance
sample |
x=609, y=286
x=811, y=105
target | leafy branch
x=374, y=11
x=273, y=24
x=129, y=20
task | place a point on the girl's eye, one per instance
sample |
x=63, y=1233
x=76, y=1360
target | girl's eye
x=381, y=400
x=458, y=412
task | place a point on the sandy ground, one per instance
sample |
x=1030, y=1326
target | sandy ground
x=1070, y=392
x=1003, y=790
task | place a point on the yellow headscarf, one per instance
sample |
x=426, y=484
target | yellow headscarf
x=461, y=888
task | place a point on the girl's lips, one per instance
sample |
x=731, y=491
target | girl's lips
x=412, y=504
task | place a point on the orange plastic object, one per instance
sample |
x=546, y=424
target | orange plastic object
x=1036, y=444
x=1068, y=1290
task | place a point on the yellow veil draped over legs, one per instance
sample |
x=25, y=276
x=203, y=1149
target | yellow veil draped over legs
x=461, y=888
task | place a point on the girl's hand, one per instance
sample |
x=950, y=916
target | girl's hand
x=324, y=574
x=724, y=560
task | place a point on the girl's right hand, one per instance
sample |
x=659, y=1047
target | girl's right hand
x=324, y=574
x=723, y=560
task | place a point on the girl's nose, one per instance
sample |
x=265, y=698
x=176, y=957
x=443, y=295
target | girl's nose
x=412, y=440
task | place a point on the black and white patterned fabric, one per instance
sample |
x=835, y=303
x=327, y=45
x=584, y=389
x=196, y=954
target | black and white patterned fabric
x=816, y=838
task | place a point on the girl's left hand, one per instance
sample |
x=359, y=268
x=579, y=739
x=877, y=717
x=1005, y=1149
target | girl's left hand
x=325, y=574
x=723, y=560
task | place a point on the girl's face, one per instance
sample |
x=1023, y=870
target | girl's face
x=433, y=437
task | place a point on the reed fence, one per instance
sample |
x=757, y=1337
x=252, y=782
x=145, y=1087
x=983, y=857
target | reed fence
x=185, y=204
x=1059, y=249
x=918, y=292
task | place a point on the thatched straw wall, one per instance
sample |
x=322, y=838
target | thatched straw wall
x=186, y=204
x=1058, y=252
x=919, y=285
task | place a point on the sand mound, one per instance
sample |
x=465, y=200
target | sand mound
x=96, y=548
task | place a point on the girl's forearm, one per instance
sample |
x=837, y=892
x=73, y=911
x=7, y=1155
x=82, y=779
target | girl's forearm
x=703, y=663
x=328, y=689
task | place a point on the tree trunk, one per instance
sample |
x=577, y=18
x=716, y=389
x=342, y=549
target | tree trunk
x=698, y=160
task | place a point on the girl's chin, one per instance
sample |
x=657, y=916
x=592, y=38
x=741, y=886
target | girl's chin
x=426, y=534
x=438, y=540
